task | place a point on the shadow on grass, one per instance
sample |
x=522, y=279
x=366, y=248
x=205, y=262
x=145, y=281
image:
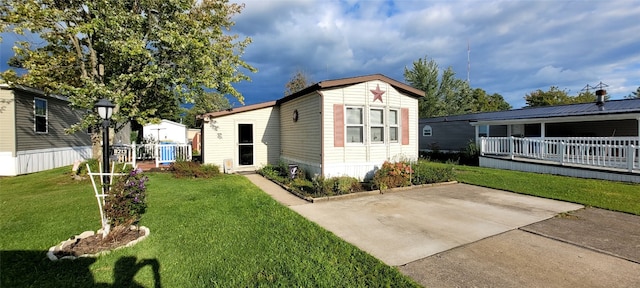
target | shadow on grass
x=34, y=269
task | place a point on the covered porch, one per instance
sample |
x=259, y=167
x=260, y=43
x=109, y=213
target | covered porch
x=602, y=146
x=615, y=154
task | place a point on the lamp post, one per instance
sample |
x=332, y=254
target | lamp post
x=105, y=110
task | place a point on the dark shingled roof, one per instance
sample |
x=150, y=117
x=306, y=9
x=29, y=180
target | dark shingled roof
x=583, y=109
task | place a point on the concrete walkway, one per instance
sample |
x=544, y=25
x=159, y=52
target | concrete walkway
x=463, y=235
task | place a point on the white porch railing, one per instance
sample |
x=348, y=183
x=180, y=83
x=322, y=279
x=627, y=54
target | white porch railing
x=597, y=152
x=162, y=154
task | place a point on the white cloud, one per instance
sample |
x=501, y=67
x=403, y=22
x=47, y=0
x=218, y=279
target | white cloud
x=516, y=46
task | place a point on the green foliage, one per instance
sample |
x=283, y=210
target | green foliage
x=555, y=96
x=424, y=173
x=392, y=175
x=95, y=166
x=126, y=201
x=634, y=94
x=448, y=95
x=147, y=57
x=205, y=217
x=188, y=169
x=424, y=76
x=299, y=81
x=617, y=196
x=336, y=185
x=470, y=155
x=278, y=173
x=206, y=103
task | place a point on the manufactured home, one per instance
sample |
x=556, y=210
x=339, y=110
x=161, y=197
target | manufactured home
x=341, y=127
x=591, y=140
x=32, y=132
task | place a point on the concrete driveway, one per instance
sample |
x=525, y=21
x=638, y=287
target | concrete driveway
x=401, y=227
x=467, y=236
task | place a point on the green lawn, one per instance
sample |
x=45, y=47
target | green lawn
x=617, y=196
x=204, y=232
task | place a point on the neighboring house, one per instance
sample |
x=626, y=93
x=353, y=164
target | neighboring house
x=616, y=118
x=589, y=140
x=333, y=128
x=32, y=132
x=166, y=131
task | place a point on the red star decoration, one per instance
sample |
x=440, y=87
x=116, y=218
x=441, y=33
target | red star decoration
x=377, y=94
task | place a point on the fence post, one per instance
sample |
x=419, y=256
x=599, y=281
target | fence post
x=511, y=144
x=482, y=145
x=630, y=154
x=134, y=154
x=156, y=153
x=561, y=146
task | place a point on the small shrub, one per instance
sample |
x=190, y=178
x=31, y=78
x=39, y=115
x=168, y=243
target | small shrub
x=303, y=186
x=93, y=165
x=336, y=185
x=426, y=174
x=392, y=175
x=275, y=173
x=126, y=201
x=470, y=155
x=188, y=169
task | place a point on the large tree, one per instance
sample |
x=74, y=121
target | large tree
x=555, y=96
x=146, y=56
x=447, y=95
x=424, y=76
x=209, y=102
x=634, y=94
x=299, y=81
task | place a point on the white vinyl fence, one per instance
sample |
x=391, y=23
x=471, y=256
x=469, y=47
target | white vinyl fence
x=161, y=153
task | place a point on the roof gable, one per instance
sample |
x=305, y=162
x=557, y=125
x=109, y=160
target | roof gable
x=327, y=84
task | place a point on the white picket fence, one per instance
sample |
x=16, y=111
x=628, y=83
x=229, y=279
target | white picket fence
x=597, y=152
x=161, y=153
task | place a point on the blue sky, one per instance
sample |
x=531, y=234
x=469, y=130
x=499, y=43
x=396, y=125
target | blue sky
x=515, y=46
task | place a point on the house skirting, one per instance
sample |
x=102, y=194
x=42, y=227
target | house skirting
x=360, y=170
x=555, y=169
x=32, y=161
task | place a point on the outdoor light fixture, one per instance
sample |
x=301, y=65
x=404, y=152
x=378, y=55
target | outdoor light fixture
x=105, y=110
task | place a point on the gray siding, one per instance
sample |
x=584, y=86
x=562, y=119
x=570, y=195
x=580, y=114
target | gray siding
x=60, y=117
x=449, y=136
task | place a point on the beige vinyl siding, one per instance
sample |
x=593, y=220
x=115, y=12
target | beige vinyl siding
x=301, y=140
x=7, y=123
x=220, y=138
x=59, y=117
x=360, y=95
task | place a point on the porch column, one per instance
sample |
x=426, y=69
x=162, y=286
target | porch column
x=543, y=144
x=477, y=128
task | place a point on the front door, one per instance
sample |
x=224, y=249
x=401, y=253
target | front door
x=245, y=144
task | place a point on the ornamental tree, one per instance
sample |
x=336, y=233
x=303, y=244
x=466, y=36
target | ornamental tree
x=145, y=56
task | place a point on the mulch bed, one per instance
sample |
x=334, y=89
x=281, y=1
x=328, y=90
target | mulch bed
x=118, y=237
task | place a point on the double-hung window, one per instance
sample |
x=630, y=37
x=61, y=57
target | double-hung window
x=40, y=115
x=376, y=120
x=393, y=125
x=355, y=125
